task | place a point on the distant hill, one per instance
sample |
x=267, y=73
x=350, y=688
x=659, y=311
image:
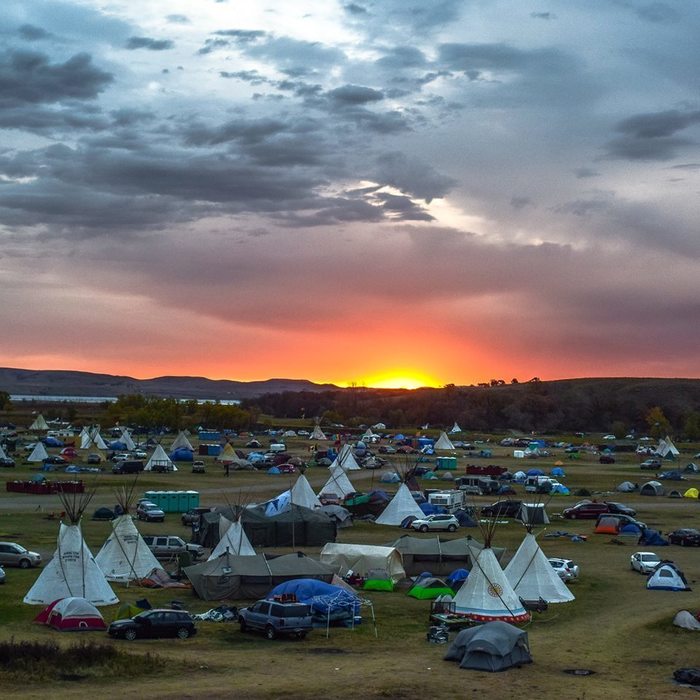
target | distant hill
x=68, y=383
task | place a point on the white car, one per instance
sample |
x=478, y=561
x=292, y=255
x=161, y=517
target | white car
x=436, y=522
x=609, y=437
x=644, y=562
x=565, y=568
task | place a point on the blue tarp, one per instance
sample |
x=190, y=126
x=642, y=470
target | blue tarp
x=273, y=470
x=652, y=538
x=322, y=597
x=116, y=445
x=52, y=442
x=558, y=471
x=182, y=454
x=535, y=472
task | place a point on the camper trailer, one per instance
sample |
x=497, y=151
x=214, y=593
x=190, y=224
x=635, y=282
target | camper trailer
x=485, y=484
x=449, y=500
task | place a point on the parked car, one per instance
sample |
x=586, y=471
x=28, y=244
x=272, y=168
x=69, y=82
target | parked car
x=685, y=536
x=128, y=466
x=589, y=510
x=565, y=568
x=606, y=459
x=55, y=459
x=170, y=546
x=139, y=454
x=198, y=467
x=13, y=554
x=276, y=618
x=193, y=515
x=651, y=465
x=436, y=522
x=94, y=458
x=7, y=462
x=2, y=575
x=152, y=624
x=120, y=457
x=620, y=508
x=502, y=509
x=644, y=562
x=287, y=468
x=150, y=512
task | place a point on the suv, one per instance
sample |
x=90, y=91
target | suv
x=150, y=512
x=13, y=554
x=565, y=568
x=168, y=546
x=502, y=509
x=586, y=510
x=128, y=466
x=651, y=464
x=436, y=522
x=276, y=618
x=193, y=515
x=152, y=624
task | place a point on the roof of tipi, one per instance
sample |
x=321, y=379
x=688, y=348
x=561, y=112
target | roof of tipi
x=345, y=459
x=232, y=538
x=39, y=454
x=303, y=495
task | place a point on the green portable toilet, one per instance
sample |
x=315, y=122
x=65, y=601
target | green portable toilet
x=192, y=499
x=152, y=497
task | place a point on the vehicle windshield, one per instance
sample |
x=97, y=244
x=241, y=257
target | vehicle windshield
x=293, y=610
x=650, y=557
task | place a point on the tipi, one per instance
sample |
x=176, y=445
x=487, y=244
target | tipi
x=303, y=495
x=227, y=454
x=401, y=506
x=39, y=424
x=443, y=442
x=181, y=441
x=38, y=454
x=160, y=461
x=345, y=459
x=124, y=555
x=317, y=433
x=73, y=570
x=127, y=439
x=667, y=449
x=455, y=428
x=232, y=540
x=338, y=483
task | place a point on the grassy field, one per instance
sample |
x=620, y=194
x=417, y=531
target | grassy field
x=615, y=627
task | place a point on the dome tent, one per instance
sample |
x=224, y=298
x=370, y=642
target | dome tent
x=71, y=614
x=667, y=577
x=494, y=646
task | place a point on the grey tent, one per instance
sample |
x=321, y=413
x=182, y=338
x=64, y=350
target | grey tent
x=439, y=556
x=234, y=577
x=627, y=487
x=296, y=527
x=494, y=646
x=533, y=514
x=652, y=488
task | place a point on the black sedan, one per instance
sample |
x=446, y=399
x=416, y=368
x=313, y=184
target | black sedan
x=502, y=509
x=615, y=507
x=153, y=624
x=685, y=537
x=7, y=462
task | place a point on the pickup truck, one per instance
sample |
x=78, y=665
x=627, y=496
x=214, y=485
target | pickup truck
x=170, y=546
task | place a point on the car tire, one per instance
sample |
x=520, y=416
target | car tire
x=681, y=543
x=243, y=626
x=423, y=528
x=573, y=516
x=183, y=633
x=130, y=635
x=24, y=564
x=451, y=528
x=270, y=632
x=301, y=635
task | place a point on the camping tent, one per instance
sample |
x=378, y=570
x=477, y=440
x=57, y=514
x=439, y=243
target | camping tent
x=652, y=488
x=627, y=487
x=71, y=615
x=429, y=588
x=533, y=514
x=71, y=572
x=487, y=595
x=443, y=442
x=38, y=454
x=232, y=539
x=494, y=646
x=363, y=558
x=686, y=620
x=317, y=433
x=692, y=492
x=303, y=495
x=124, y=555
x=533, y=577
x=401, y=506
x=607, y=525
x=231, y=576
x=667, y=577
x=160, y=461
x=666, y=449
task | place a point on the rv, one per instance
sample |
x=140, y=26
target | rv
x=449, y=500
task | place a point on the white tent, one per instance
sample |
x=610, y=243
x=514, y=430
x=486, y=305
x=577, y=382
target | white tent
x=401, y=506
x=303, y=495
x=443, y=442
x=317, y=434
x=455, y=428
x=160, y=459
x=127, y=439
x=181, y=441
x=232, y=538
x=345, y=459
x=39, y=423
x=227, y=454
x=486, y=594
x=379, y=426
x=363, y=558
x=124, y=555
x=533, y=577
x=38, y=454
x=90, y=437
x=667, y=449
x=71, y=572
x=338, y=483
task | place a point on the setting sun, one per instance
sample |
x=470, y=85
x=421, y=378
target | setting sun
x=405, y=379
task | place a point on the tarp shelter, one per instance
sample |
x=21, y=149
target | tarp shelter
x=38, y=454
x=652, y=488
x=362, y=559
x=443, y=442
x=533, y=577
x=487, y=595
x=160, y=461
x=330, y=604
x=430, y=588
x=667, y=577
x=236, y=577
x=533, y=514
x=438, y=556
x=401, y=506
x=182, y=454
x=71, y=614
x=494, y=646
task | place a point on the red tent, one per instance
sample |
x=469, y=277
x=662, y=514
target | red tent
x=71, y=615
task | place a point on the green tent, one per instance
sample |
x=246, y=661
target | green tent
x=378, y=584
x=429, y=588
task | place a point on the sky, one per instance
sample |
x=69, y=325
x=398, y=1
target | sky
x=370, y=192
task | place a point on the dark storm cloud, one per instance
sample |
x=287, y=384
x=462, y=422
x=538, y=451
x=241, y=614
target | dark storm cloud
x=351, y=95
x=29, y=32
x=45, y=120
x=302, y=57
x=249, y=76
x=30, y=77
x=401, y=208
x=243, y=36
x=130, y=116
x=658, y=124
x=412, y=176
x=497, y=57
x=145, y=42
x=241, y=130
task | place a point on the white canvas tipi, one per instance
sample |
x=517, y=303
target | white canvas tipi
x=455, y=428
x=667, y=449
x=443, y=442
x=3, y=454
x=317, y=434
x=90, y=437
x=401, y=506
x=160, y=459
x=39, y=423
x=124, y=555
x=303, y=495
x=533, y=577
x=486, y=594
x=38, y=454
x=338, y=483
x=127, y=439
x=182, y=441
x=345, y=459
x=232, y=538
